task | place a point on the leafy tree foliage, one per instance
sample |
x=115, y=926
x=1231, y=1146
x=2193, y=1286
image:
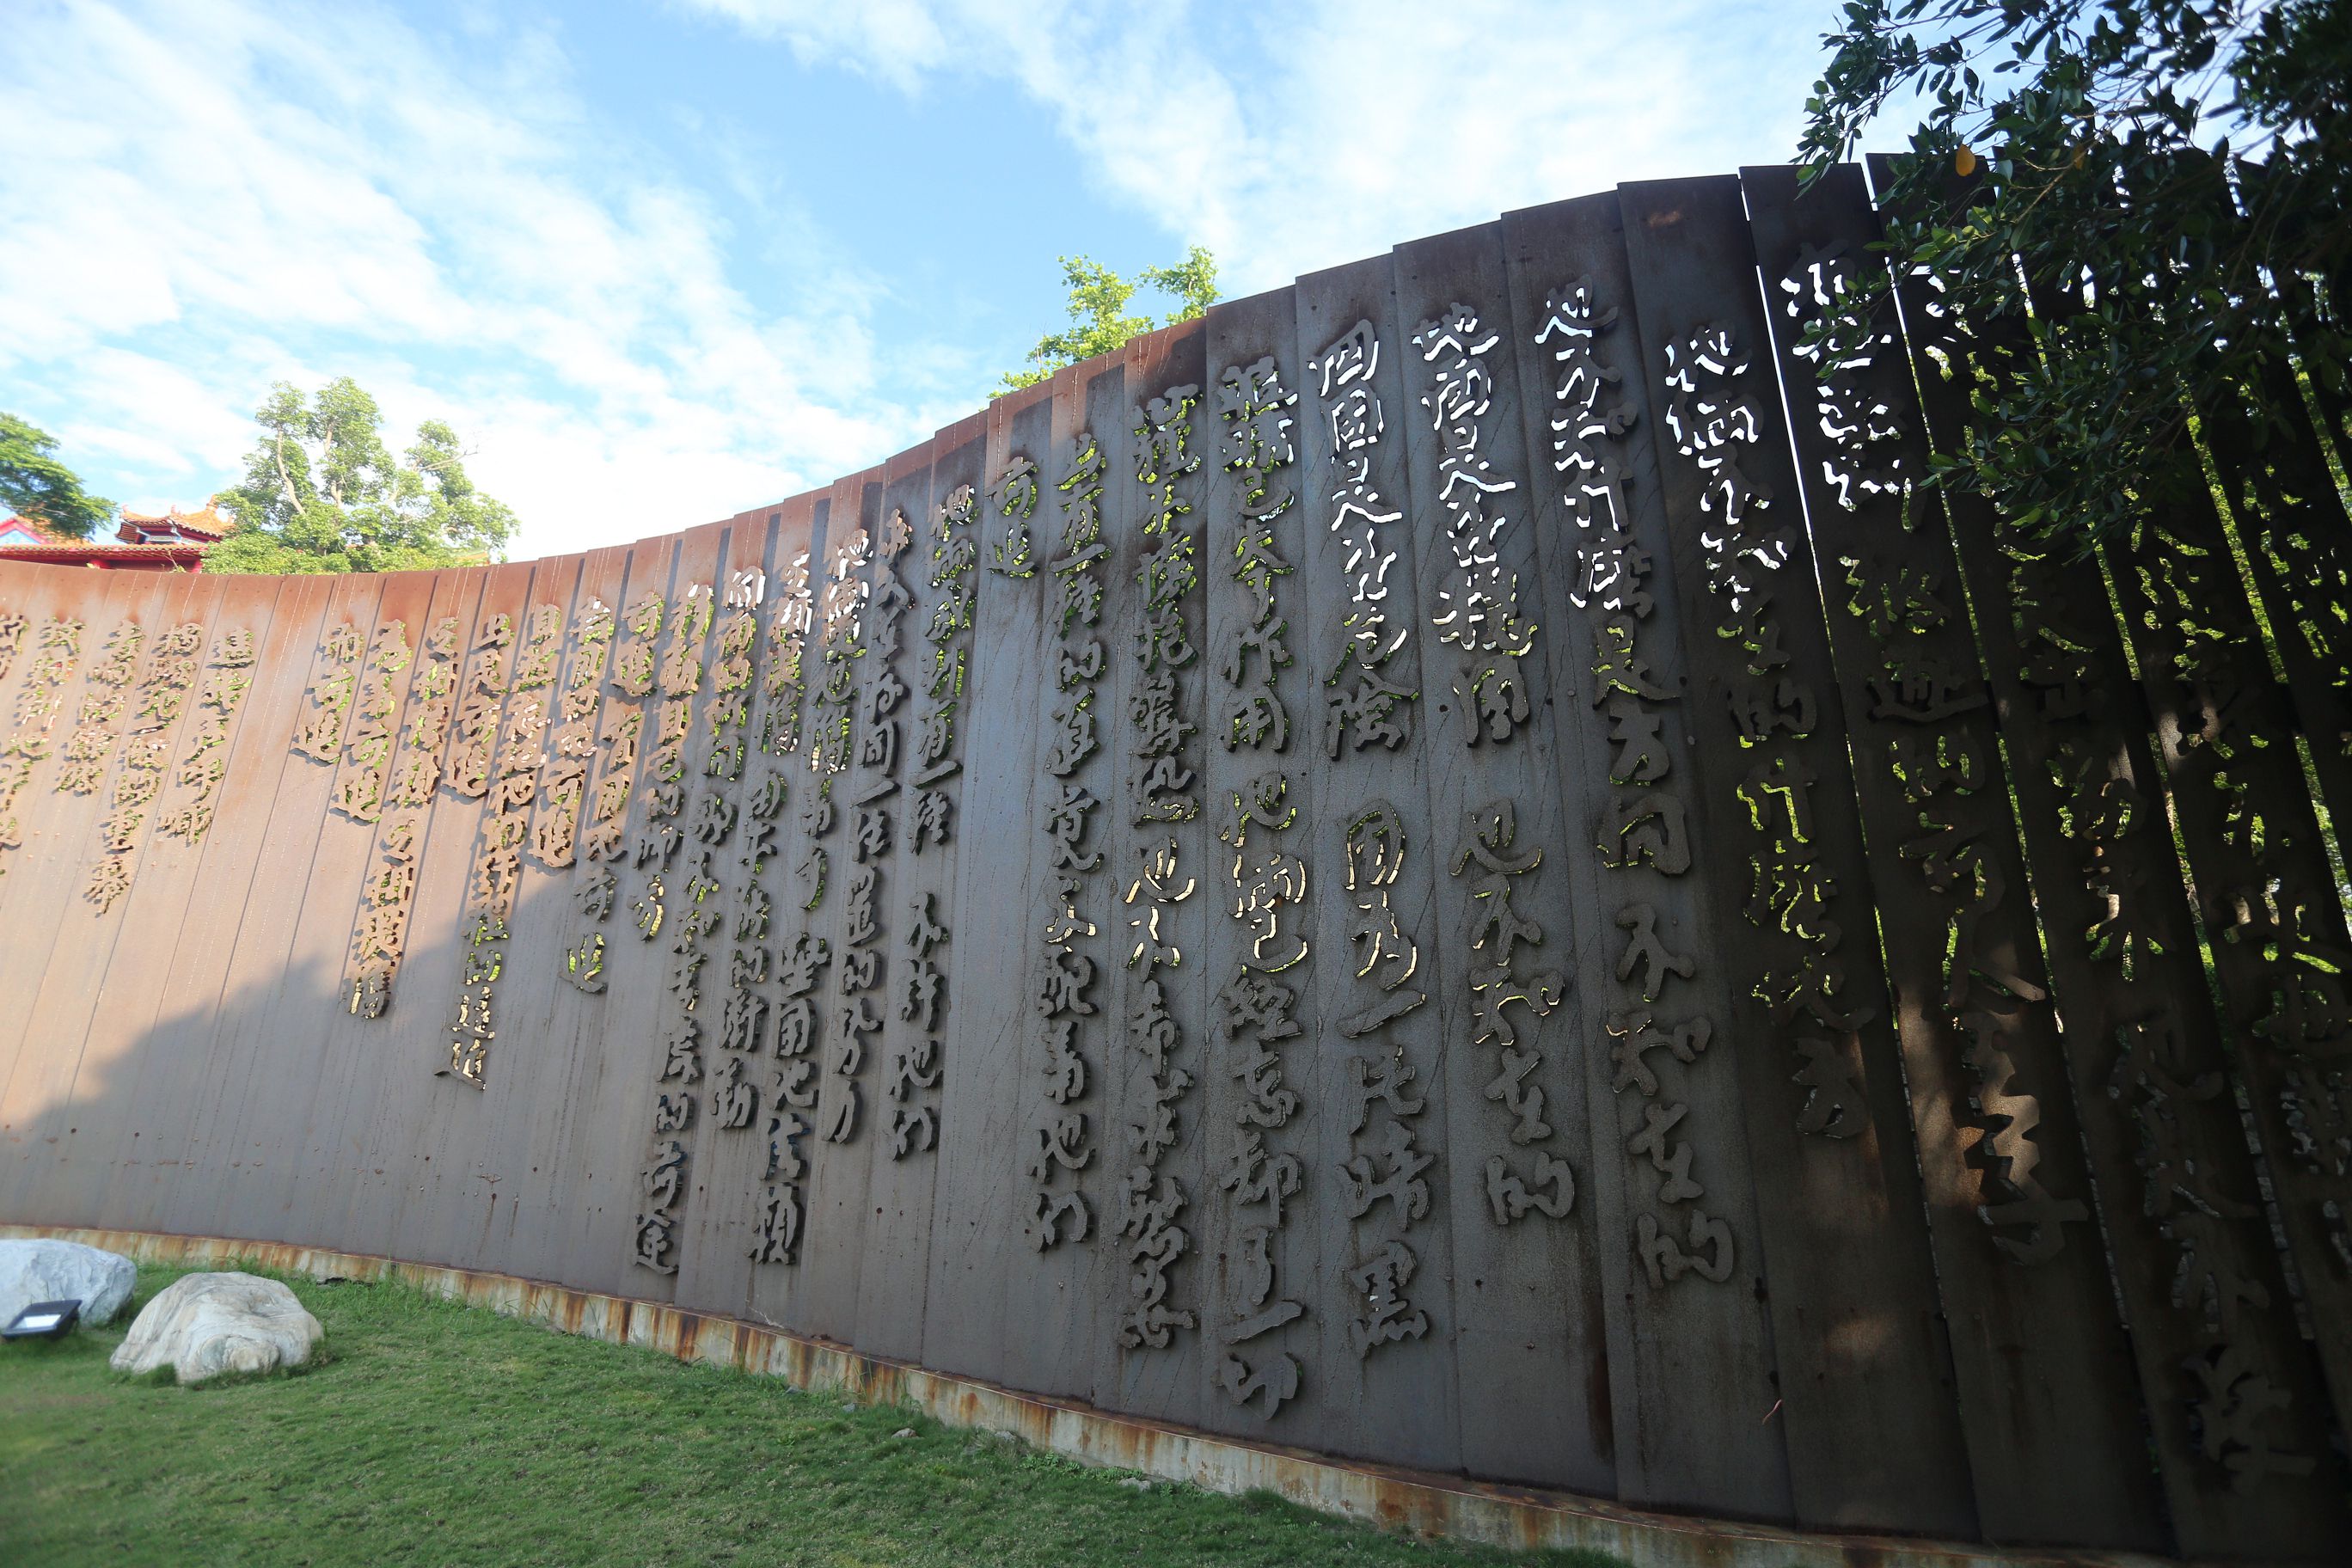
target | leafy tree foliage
x=2165, y=181
x=322, y=493
x=34, y=485
x=1099, y=319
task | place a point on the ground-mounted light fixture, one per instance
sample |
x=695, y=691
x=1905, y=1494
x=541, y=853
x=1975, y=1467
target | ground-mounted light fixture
x=43, y=1320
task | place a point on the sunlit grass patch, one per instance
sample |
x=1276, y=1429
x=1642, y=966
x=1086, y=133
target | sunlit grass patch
x=434, y=1432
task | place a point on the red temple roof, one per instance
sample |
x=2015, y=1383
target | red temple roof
x=173, y=540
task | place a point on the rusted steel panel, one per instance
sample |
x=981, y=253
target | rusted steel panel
x=1739, y=538
x=1541, y=1384
x=1764, y=708
x=849, y=1220
x=663, y=982
x=2144, y=1045
x=1057, y=1270
x=1872, y=1433
x=2252, y=829
x=1094, y=596
x=813, y=705
x=2290, y=524
x=77, y=1025
x=1266, y=1280
x=1670, y=1131
x=790, y=673
x=991, y=1075
x=717, y=1264
x=317, y=1005
x=192, y=1037
x=715, y=1269
x=498, y=987
x=282, y=971
x=598, y=1174
x=2274, y=921
x=52, y=822
x=1538, y=1232
x=846, y=997
x=148, y=1086
x=940, y=569
x=1163, y=862
x=361, y=1013
x=1366, y=713
x=534, y=1103
x=2045, y=1371
x=441, y=1207
x=400, y=1025
x=15, y=632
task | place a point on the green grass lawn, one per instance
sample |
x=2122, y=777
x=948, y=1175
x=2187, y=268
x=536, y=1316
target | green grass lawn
x=432, y=1432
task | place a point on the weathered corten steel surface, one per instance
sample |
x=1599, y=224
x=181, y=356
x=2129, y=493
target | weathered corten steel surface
x=1416, y=1501
x=1452, y=868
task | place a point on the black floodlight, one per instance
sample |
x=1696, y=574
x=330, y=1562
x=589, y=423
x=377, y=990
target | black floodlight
x=43, y=1320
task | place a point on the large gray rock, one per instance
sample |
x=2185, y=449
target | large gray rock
x=202, y=1325
x=34, y=1271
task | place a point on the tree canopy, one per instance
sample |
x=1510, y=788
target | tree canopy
x=36, y=486
x=2157, y=191
x=1099, y=319
x=322, y=493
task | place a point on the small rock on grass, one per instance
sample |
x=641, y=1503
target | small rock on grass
x=47, y=1270
x=202, y=1325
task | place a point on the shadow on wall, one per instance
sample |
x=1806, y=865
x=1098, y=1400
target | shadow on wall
x=275, y=1114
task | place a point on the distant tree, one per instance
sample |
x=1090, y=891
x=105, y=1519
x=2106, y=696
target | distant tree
x=321, y=494
x=1099, y=319
x=2188, y=157
x=36, y=486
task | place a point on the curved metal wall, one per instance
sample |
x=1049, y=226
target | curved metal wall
x=1411, y=868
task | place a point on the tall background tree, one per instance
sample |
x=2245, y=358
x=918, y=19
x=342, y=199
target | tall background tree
x=1100, y=320
x=322, y=493
x=2158, y=191
x=34, y=484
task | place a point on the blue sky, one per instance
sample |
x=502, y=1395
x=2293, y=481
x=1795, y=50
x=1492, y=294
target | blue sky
x=660, y=262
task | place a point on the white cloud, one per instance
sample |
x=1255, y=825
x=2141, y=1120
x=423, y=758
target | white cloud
x=1310, y=135
x=898, y=40
x=225, y=198
x=201, y=198
x=155, y=414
